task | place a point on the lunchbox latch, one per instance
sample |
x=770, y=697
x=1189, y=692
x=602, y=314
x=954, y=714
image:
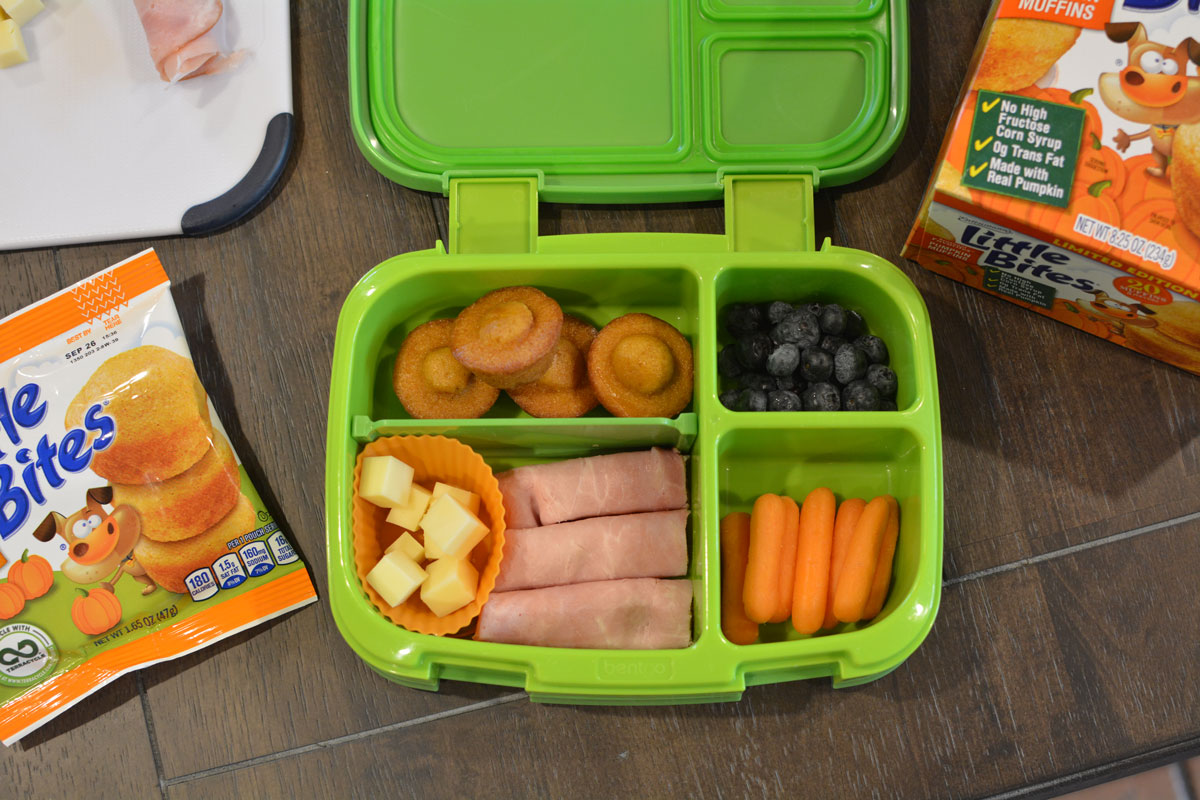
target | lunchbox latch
x=493, y=215
x=769, y=213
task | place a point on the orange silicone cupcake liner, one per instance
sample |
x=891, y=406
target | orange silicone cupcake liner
x=433, y=459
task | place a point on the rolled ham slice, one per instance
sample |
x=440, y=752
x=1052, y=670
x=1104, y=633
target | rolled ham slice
x=651, y=545
x=623, y=483
x=184, y=37
x=632, y=614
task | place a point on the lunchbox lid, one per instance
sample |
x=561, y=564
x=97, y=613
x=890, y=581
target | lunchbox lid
x=627, y=100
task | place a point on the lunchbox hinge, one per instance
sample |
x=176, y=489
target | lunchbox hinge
x=493, y=215
x=769, y=213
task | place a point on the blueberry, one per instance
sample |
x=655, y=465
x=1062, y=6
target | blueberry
x=783, y=360
x=778, y=311
x=758, y=382
x=860, y=396
x=801, y=328
x=849, y=364
x=787, y=332
x=874, y=347
x=883, y=379
x=815, y=365
x=833, y=319
x=743, y=318
x=855, y=325
x=728, y=365
x=789, y=383
x=822, y=397
x=752, y=350
x=830, y=344
x=729, y=399
x=752, y=400
x=888, y=405
x=783, y=400
x=813, y=308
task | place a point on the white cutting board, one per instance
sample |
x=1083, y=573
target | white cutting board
x=95, y=146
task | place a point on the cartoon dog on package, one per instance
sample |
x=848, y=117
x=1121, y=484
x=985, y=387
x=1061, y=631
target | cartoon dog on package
x=1153, y=89
x=99, y=543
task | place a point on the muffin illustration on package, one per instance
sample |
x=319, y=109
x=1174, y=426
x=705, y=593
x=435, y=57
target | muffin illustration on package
x=121, y=493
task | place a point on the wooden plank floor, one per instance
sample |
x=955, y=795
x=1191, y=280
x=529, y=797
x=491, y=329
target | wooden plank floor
x=1016, y=687
x=1065, y=648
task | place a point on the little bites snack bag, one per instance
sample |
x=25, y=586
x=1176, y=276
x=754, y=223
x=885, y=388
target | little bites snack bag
x=1069, y=181
x=129, y=534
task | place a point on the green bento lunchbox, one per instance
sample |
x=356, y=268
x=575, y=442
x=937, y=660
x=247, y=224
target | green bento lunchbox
x=502, y=104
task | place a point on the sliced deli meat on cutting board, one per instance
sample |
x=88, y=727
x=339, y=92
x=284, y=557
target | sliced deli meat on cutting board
x=632, y=614
x=650, y=545
x=185, y=37
x=622, y=483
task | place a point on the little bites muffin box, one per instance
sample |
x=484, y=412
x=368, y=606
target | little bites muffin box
x=129, y=533
x=1069, y=180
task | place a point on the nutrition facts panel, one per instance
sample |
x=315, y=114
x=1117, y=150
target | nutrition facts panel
x=229, y=572
x=256, y=558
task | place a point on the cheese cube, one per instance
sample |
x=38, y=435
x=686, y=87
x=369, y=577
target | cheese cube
x=385, y=481
x=451, y=585
x=396, y=577
x=408, y=516
x=468, y=500
x=12, y=45
x=432, y=551
x=22, y=11
x=408, y=546
x=450, y=530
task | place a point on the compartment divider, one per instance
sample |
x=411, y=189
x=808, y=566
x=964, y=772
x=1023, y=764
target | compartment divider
x=706, y=544
x=542, y=438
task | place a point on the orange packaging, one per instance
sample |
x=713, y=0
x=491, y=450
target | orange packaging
x=129, y=531
x=1069, y=179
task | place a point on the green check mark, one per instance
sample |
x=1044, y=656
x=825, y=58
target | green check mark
x=976, y=170
x=980, y=145
x=989, y=106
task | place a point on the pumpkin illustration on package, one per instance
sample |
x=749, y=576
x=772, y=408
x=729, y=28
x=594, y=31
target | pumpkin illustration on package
x=95, y=611
x=32, y=574
x=12, y=600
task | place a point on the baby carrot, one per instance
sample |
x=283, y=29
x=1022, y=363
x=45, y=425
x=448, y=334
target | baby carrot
x=862, y=557
x=787, y=560
x=812, y=560
x=735, y=546
x=847, y=517
x=883, y=572
x=761, y=591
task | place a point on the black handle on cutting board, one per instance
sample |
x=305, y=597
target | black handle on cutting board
x=251, y=189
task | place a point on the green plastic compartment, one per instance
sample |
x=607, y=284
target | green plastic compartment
x=627, y=100
x=502, y=104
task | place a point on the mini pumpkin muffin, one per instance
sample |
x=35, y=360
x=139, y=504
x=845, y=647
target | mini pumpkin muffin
x=508, y=337
x=431, y=383
x=1156, y=344
x=169, y=563
x=563, y=390
x=1019, y=51
x=1181, y=322
x=192, y=501
x=160, y=410
x=640, y=366
x=1185, y=175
